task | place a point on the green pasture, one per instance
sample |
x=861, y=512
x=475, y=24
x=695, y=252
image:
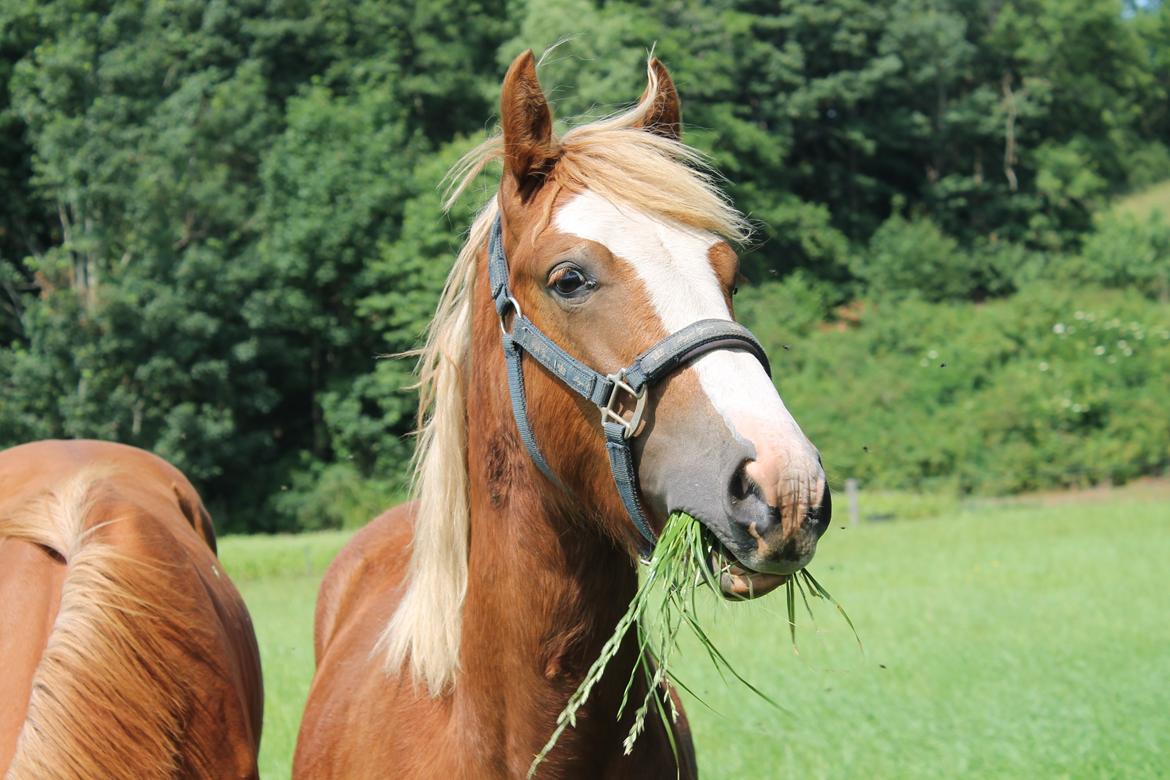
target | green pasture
x=1023, y=639
x=1145, y=203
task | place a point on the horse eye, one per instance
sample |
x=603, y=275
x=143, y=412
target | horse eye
x=570, y=282
x=735, y=290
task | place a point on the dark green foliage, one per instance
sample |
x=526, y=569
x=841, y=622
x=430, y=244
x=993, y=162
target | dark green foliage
x=218, y=218
x=786, y=310
x=197, y=198
x=913, y=258
x=333, y=495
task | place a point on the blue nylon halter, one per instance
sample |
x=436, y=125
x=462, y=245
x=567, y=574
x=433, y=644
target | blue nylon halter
x=603, y=390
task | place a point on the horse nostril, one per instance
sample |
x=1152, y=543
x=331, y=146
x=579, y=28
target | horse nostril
x=742, y=486
x=817, y=518
x=771, y=520
x=749, y=506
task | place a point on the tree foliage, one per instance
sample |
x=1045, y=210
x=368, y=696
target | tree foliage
x=218, y=218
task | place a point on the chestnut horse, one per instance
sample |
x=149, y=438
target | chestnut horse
x=451, y=631
x=126, y=651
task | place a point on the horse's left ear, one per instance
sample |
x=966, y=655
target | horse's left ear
x=527, y=125
x=665, y=116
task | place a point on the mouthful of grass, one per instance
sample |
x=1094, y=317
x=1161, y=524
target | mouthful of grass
x=686, y=560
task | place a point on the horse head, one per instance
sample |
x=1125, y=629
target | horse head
x=616, y=240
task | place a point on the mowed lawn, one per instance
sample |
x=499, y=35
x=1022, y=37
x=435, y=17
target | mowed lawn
x=1028, y=640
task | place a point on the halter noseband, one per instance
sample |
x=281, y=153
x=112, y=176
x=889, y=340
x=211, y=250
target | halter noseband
x=603, y=390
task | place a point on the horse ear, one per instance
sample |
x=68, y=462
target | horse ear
x=527, y=124
x=665, y=115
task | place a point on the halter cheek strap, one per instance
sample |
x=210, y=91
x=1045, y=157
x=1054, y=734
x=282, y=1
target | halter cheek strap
x=606, y=391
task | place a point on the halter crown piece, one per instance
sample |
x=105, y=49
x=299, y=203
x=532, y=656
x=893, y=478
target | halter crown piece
x=606, y=391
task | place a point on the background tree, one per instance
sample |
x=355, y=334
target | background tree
x=218, y=216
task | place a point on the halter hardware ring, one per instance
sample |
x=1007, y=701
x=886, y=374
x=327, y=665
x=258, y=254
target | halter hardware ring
x=609, y=412
x=502, y=311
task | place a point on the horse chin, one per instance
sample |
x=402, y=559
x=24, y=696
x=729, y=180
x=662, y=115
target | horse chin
x=739, y=583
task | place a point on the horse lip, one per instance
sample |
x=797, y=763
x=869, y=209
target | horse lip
x=781, y=568
x=749, y=585
x=739, y=582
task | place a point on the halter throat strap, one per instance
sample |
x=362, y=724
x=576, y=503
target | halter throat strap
x=608, y=392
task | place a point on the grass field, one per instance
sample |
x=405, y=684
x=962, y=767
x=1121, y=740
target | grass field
x=1144, y=203
x=1029, y=639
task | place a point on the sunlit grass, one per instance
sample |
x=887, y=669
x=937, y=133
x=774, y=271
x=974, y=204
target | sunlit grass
x=1000, y=641
x=1021, y=642
x=280, y=556
x=894, y=505
x=278, y=577
x=1143, y=204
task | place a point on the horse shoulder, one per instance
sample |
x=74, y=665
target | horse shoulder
x=342, y=733
x=370, y=563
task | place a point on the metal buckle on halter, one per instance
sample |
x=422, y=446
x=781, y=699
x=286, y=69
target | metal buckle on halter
x=609, y=412
x=502, y=311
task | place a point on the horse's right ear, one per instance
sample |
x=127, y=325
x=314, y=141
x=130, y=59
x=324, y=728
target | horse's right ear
x=665, y=115
x=527, y=125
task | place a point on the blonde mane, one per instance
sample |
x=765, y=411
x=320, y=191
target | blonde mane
x=615, y=158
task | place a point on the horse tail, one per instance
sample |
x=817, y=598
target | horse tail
x=108, y=699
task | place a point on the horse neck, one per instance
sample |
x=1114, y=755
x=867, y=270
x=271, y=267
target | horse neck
x=545, y=586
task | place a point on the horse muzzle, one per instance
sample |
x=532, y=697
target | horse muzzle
x=765, y=508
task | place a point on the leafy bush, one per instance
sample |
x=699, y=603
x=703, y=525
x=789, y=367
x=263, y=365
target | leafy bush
x=1127, y=252
x=334, y=495
x=779, y=312
x=1054, y=386
x=1148, y=164
x=913, y=257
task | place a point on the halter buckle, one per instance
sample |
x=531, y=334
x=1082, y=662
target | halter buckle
x=609, y=412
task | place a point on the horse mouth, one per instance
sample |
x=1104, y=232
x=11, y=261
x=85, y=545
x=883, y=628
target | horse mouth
x=736, y=581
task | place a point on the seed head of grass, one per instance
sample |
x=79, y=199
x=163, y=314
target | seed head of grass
x=665, y=603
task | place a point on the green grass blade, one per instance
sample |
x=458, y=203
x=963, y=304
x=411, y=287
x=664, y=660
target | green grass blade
x=665, y=602
x=820, y=589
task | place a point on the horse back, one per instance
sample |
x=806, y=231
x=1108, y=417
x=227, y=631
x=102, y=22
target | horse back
x=138, y=655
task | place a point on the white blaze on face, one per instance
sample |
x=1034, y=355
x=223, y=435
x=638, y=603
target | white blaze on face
x=672, y=261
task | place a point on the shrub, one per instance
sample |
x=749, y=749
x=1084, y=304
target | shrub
x=333, y=495
x=1126, y=251
x=1055, y=386
x=1148, y=164
x=913, y=257
x=779, y=312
